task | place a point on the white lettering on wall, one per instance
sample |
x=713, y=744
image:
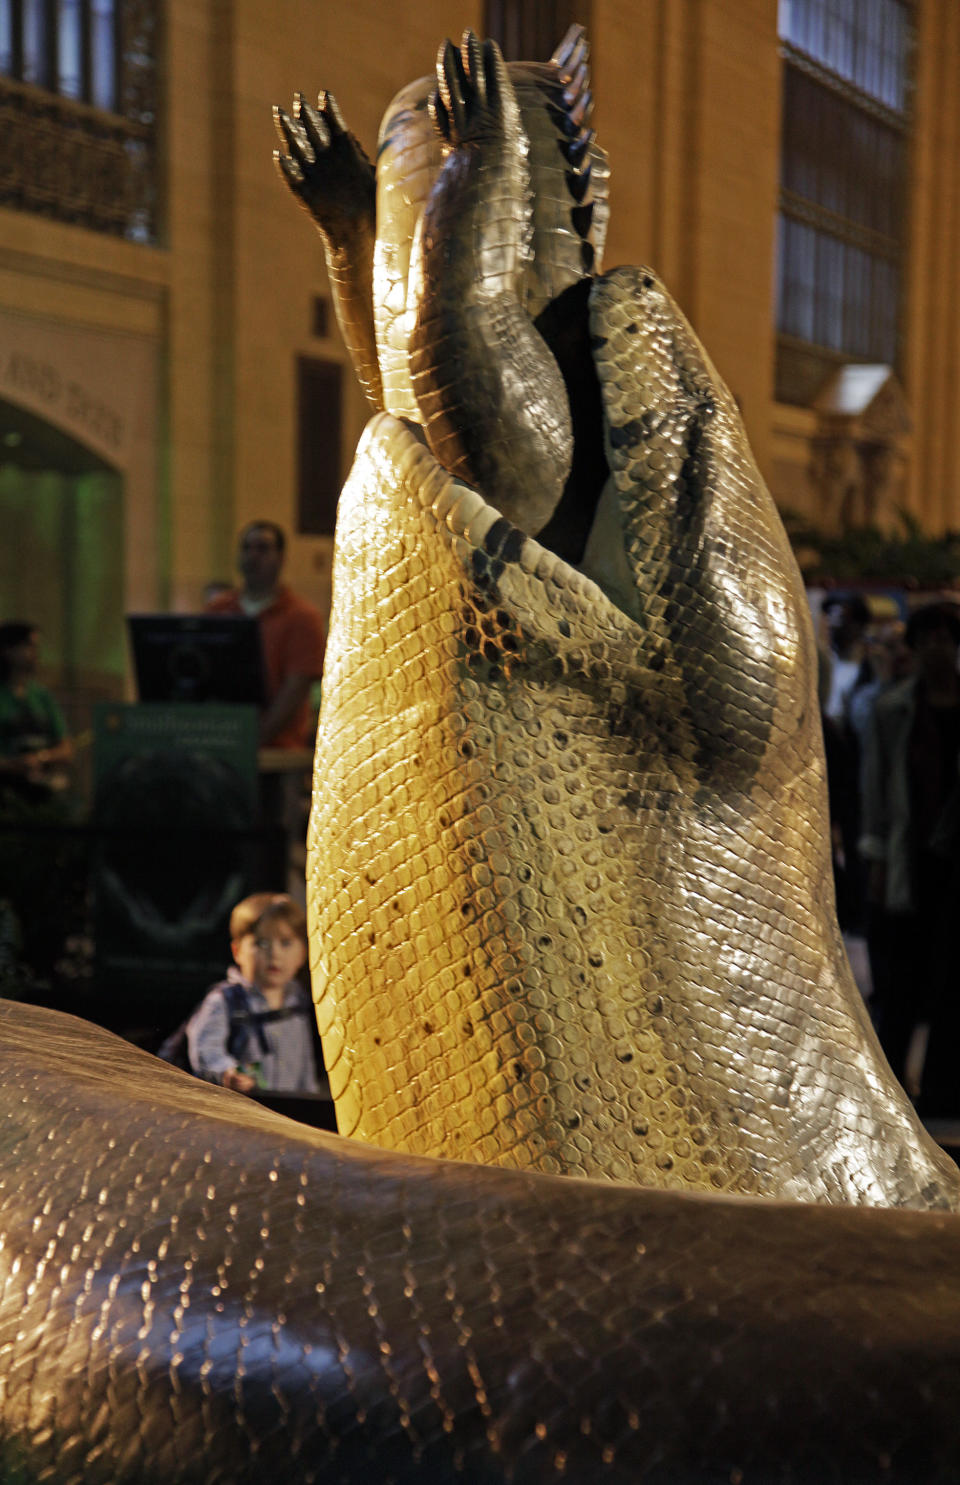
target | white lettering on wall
x=43, y=383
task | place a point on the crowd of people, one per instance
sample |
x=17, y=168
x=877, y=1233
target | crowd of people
x=890, y=703
x=49, y=828
x=890, y=698
x=35, y=748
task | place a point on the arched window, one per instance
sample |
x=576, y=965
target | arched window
x=843, y=177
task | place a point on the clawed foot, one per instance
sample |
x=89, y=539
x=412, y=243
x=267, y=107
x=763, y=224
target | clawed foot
x=322, y=162
x=473, y=92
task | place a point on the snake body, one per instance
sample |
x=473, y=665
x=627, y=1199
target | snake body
x=196, y=1292
x=571, y=912
x=570, y=886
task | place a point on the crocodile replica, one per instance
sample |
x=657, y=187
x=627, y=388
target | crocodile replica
x=572, y=926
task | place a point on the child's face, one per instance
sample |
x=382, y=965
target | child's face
x=270, y=957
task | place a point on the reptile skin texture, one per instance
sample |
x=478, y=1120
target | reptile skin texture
x=569, y=876
x=194, y=1291
x=571, y=914
x=559, y=153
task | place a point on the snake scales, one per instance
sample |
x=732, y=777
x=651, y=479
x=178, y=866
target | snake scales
x=570, y=882
x=566, y=840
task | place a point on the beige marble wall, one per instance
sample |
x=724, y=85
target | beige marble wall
x=199, y=232
x=931, y=372
x=82, y=346
x=688, y=95
x=688, y=107
x=278, y=265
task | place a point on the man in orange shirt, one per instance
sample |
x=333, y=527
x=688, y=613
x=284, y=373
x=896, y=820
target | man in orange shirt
x=291, y=631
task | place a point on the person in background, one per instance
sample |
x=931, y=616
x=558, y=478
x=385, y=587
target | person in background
x=215, y=589
x=291, y=630
x=252, y=1029
x=844, y=673
x=35, y=751
x=910, y=774
x=848, y=667
x=890, y=661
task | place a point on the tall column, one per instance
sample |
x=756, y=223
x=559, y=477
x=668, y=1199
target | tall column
x=196, y=223
x=689, y=109
x=932, y=360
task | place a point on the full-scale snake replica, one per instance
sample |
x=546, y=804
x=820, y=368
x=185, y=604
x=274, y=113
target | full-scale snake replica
x=572, y=926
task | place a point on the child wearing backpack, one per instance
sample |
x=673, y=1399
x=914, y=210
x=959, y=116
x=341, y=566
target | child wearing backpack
x=252, y=1029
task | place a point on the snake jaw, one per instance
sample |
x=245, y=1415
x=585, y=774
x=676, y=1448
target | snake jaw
x=672, y=680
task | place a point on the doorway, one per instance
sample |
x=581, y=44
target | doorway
x=61, y=558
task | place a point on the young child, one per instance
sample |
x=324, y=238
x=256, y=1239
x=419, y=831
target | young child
x=268, y=939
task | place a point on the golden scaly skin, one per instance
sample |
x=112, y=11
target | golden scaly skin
x=557, y=922
x=377, y=306
x=474, y=344
x=196, y=1291
x=325, y=167
x=571, y=899
x=563, y=159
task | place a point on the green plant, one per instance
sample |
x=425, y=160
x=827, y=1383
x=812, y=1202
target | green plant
x=907, y=555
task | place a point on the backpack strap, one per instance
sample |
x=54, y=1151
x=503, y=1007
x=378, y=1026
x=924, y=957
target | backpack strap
x=283, y=1014
x=244, y=1021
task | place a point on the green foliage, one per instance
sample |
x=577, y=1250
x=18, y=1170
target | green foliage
x=906, y=556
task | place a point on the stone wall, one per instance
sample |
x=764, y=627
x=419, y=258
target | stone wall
x=688, y=99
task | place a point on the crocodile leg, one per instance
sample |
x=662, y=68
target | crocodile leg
x=326, y=169
x=491, y=395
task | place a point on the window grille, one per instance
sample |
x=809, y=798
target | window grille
x=78, y=112
x=843, y=178
x=529, y=30
x=864, y=42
